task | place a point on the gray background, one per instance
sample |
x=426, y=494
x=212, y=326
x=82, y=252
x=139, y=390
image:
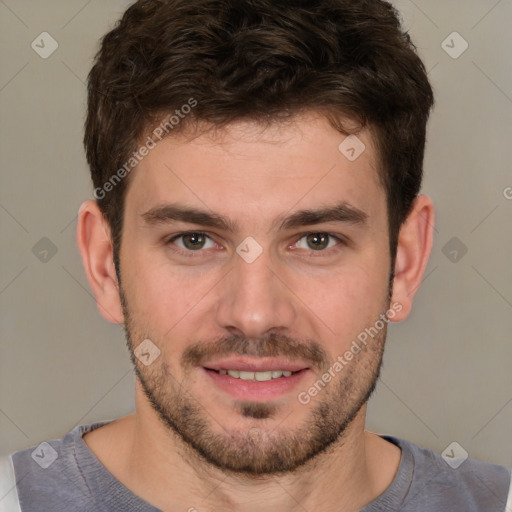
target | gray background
x=447, y=370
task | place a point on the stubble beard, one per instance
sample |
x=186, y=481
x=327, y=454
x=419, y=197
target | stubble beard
x=258, y=449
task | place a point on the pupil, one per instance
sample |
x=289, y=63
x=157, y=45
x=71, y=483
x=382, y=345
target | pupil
x=318, y=241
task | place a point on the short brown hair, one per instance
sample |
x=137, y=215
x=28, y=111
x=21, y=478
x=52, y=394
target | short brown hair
x=260, y=60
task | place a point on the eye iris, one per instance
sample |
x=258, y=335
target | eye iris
x=193, y=241
x=318, y=241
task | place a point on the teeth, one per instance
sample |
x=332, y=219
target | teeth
x=261, y=376
x=256, y=376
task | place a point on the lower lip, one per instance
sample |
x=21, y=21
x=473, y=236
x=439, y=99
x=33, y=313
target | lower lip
x=256, y=391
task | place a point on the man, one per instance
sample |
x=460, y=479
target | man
x=257, y=223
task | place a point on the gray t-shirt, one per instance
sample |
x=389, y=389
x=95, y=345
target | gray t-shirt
x=65, y=476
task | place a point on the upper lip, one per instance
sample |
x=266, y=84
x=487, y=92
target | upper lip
x=259, y=364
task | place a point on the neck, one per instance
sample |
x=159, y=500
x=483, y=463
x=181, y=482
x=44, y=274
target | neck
x=163, y=470
x=158, y=466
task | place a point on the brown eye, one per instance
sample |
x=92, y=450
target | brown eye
x=192, y=241
x=318, y=241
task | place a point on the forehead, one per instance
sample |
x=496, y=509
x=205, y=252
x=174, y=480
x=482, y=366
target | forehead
x=245, y=168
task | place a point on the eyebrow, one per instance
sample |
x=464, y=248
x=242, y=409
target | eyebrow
x=342, y=213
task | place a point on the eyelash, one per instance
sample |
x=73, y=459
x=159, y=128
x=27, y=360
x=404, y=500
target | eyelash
x=189, y=253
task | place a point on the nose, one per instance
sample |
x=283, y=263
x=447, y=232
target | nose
x=255, y=299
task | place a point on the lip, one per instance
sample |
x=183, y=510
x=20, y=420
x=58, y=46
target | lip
x=260, y=364
x=262, y=391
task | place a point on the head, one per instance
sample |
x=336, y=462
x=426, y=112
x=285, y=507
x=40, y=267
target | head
x=230, y=121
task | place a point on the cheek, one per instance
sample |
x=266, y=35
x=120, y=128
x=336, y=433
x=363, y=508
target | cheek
x=149, y=291
x=164, y=299
x=352, y=285
x=161, y=295
x=348, y=301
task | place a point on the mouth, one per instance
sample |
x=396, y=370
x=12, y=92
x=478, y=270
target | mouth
x=255, y=379
x=262, y=376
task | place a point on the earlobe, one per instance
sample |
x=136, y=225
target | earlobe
x=94, y=243
x=413, y=250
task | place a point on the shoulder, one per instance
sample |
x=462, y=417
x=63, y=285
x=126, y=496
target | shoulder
x=48, y=475
x=455, y=483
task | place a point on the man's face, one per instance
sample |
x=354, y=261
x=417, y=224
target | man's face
x=266, y=290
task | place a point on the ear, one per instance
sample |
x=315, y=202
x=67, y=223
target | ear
x=414, y=246
x=94, y=243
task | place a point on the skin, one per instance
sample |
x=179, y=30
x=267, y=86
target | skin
x=293, y=301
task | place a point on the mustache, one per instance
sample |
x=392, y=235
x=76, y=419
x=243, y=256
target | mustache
x=272, y=345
